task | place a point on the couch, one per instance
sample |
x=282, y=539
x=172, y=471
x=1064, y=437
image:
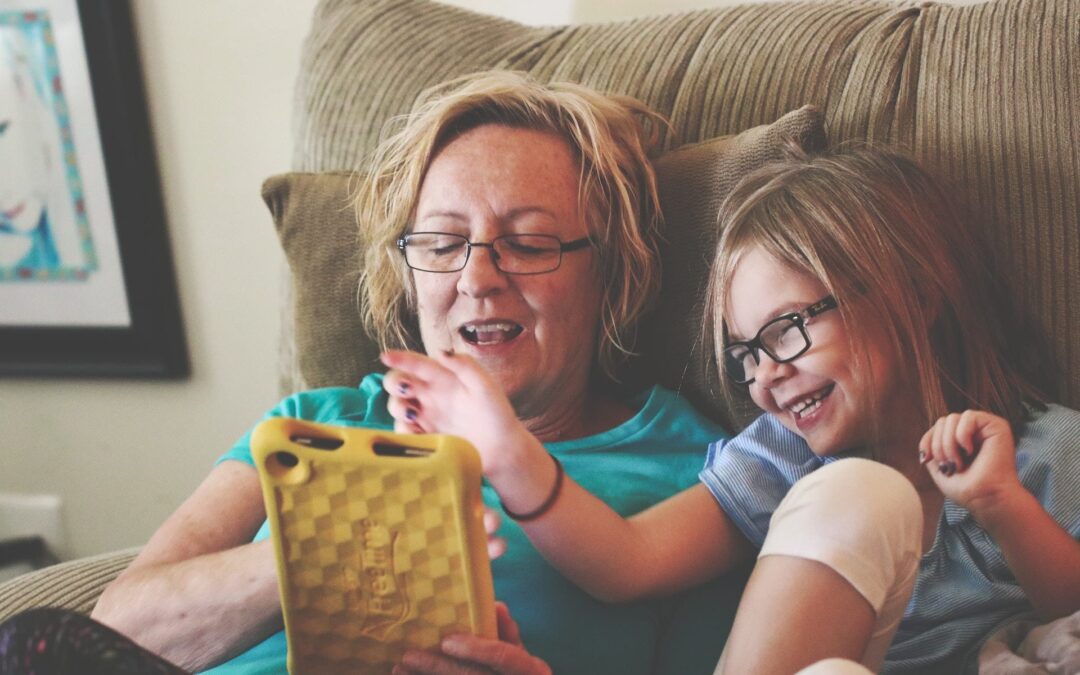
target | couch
x=985, y=95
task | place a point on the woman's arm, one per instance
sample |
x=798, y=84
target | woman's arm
x=682, y=541
x=199, y=592
x=972, y=458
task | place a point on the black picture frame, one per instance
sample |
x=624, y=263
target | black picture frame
x=153, y=344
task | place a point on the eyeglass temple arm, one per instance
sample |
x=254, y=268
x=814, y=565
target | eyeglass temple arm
x=824, y=305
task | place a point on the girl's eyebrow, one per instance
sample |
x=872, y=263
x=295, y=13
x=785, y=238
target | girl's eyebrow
x=786, y=308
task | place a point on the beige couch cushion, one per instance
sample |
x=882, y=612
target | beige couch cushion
x=982, y=93
x=318, y=232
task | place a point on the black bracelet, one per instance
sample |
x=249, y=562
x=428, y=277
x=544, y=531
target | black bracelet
x=548, y=503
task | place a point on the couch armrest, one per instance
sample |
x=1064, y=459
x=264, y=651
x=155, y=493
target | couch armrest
x=73, y=585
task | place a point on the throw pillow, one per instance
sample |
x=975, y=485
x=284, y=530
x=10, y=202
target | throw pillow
x=318, y=232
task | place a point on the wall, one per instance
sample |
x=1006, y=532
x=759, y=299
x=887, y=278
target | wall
x=219, y=77
x=124, y=454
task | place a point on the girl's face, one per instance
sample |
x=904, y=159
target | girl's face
x=821, y=395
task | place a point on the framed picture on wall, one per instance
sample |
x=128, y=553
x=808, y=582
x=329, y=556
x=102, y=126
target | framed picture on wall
x=86, y=280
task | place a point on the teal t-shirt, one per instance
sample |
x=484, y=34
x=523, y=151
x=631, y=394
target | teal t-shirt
x=651, y=456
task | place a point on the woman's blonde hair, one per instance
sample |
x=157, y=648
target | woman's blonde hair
x=610, y=136
x=881, y=235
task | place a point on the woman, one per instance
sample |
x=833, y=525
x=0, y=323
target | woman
x=516, y=223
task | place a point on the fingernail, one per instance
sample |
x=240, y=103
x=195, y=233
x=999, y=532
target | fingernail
x=448, y=352
x=403, y=388
x=966, y=453
x=451, y=645
x=922, y=457
x=952, y=467
x=410, y=414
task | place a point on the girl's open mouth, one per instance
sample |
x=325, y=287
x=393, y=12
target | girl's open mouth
x=805, y=408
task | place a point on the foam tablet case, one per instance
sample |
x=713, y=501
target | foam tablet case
x=379, y=542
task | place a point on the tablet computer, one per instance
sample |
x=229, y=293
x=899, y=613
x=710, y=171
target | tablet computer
x=379, y=542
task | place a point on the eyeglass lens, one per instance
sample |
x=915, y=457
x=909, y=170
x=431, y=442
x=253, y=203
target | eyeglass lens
x=782, y=339
x=513, y=253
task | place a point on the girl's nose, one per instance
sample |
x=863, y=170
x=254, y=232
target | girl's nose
x=768, y=372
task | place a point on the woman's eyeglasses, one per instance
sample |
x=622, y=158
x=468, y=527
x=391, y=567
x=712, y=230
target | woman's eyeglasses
x=784, y=339
x=511, y=253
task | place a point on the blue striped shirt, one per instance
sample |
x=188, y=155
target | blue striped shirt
x=964, y=589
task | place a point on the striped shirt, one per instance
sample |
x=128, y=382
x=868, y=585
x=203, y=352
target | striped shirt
x=964, y=589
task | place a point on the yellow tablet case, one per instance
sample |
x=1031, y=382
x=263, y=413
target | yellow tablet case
x=379, y=541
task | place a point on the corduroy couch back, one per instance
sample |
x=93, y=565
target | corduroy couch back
x=987, y=96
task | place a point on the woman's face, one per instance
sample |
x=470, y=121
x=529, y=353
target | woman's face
x=821, y=395
x=536, y=334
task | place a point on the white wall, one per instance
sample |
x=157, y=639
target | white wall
x=219, y=76
x=124, y=454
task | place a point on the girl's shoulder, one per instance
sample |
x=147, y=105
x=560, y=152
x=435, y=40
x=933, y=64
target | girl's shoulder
x=1050, y=431
x=1048, y=462
x=769, y=445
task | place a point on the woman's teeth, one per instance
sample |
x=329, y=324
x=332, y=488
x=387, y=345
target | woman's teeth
x=490, y=333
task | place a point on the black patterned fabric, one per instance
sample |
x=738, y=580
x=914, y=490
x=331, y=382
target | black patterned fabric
x=51, y=641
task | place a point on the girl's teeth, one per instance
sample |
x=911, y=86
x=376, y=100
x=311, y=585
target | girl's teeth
x=810, y=403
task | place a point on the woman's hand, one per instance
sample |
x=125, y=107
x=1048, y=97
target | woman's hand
x=452, y=394
x=471, y=655
x=972, y=458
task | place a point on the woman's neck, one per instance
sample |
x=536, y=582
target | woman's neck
x=577, y=417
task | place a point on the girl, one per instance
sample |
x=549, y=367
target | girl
x=851, y=303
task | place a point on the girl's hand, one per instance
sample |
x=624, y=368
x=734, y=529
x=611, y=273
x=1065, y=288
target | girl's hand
x=471, y=655
x=971, y=456
x=452, y=394
x=496, y=545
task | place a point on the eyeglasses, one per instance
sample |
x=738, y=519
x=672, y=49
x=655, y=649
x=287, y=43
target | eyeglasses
x=784, y=339
x=511, y=253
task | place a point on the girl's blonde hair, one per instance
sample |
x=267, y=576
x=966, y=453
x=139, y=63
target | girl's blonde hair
x=881, y=235
x=611, y=138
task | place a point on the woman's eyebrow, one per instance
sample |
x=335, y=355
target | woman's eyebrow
x=515, y=213
x=452, y=215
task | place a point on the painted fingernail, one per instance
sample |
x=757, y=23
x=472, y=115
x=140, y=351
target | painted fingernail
x=448, y=352
x=410, y=414
x=403, y=388
x=964, y=452
x=922, y=457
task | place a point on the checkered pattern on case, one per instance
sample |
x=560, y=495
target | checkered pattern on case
x=385, y=572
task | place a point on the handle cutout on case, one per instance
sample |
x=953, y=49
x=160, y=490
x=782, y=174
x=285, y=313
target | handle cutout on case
x=317, y=442
x=286, y=468
x=393, y=450
x=286, y=459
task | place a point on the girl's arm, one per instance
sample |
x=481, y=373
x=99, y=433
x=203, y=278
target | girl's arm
x=682, y=541
x=972, y=458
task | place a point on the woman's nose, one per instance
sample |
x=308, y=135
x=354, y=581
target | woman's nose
x=480, y=276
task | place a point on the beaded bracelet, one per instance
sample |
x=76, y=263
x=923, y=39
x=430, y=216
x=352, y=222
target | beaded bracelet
x=548, y=503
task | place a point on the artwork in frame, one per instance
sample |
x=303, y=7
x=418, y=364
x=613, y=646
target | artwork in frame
x=86, y=280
